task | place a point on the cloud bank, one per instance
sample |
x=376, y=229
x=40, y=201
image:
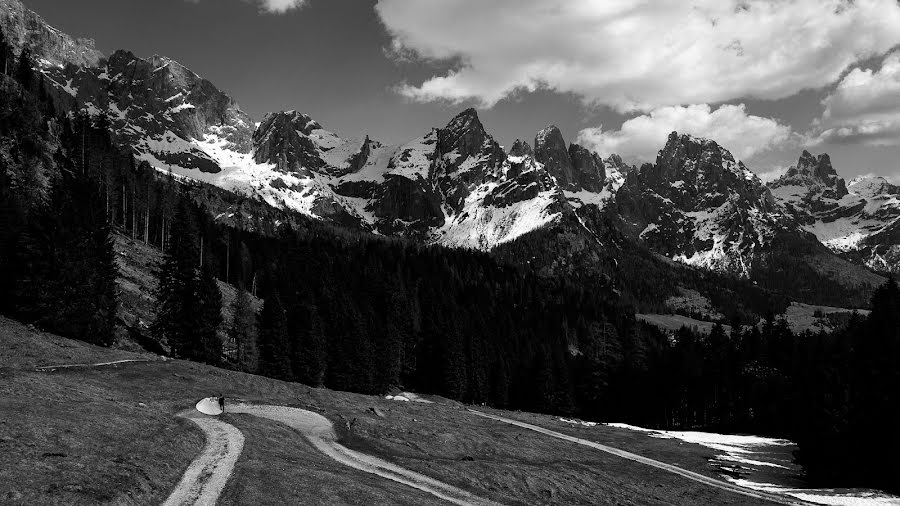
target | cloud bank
x=637, y=55
x=864, y=108
x=641, y=137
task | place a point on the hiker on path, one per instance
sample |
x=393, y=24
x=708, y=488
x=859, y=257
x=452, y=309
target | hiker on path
x=222, y=403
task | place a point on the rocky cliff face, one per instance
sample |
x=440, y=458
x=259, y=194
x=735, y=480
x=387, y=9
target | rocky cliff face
x=25, y=28
x=157, y=106
x=284, y=139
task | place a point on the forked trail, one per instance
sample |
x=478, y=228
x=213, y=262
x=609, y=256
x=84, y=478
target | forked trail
x=208, y=473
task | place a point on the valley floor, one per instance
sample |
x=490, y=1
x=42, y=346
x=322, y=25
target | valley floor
x=111, y=434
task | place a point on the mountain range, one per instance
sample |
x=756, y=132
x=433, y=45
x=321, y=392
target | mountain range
x=457, y=186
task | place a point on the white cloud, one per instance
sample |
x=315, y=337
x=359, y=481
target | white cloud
x=772, y=174
x=638, y=54
x=279, y=6
x=272, y=6
x=864, y=107
x=640, y=138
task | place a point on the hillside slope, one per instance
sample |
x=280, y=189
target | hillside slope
x=101, y=435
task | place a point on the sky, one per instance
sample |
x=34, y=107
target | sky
x=764, y=78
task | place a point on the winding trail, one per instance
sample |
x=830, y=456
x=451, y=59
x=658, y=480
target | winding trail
x=207, y=475
x=706, y=480
x=319, y=431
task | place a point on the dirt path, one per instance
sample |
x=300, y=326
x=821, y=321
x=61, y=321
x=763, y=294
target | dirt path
x=206, y=476
x=50, y=368
x=706, y=480
x=319, y=431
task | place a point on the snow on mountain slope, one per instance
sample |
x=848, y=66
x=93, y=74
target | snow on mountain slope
x=858, y=219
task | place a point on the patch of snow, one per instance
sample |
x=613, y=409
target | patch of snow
x=181, y=107
x=837, y=497
x=413, y=159
x=750, y=450
x=482, y=227
x=649, y=228
x=578, y=422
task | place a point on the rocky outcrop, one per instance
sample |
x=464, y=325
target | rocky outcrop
x=282, y=138
x=361, y=157
x=589, y=169
x=467, y=157
x=24, y=28
x=814, y=171
x=407, y=206
x=550, y=150
x=521, y=148
x=699, y=205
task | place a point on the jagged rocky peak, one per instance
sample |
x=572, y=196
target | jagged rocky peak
x=24, y=27
x=616, y=161
x=180, y=75
x=699, y=173
x=683, y=151
x=358, y=160
x=303, y=123
x=819, y=170
x=550, y=150
x=521, y=148
x=282, y=139
x=464, y=134
x=690, y=158
x=590, y=171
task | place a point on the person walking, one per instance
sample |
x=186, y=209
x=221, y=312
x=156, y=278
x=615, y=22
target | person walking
x=222, y=403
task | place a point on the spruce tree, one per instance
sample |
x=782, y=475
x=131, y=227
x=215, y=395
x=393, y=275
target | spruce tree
x=274, y=352
x=243, y=334
x=177, y=290
x=25, y=70
x=209, y=318
x=69, y=265
x=7, y=60
x=309, y=365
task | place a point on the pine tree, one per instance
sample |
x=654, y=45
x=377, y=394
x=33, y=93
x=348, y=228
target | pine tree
x=6, y=54
x=70, y=271
x=243, y=334
x=177, y=290
x=309, y=366
x=209, y=318
x=274, y=360
x=25, y=70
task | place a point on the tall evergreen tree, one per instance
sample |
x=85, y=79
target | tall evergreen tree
x=274, y=351
x=209, y=318
x=7, y=60
x=177, y=302
x=309, y=366
x=70, y=271
x=25, y=70
x=243, y=334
